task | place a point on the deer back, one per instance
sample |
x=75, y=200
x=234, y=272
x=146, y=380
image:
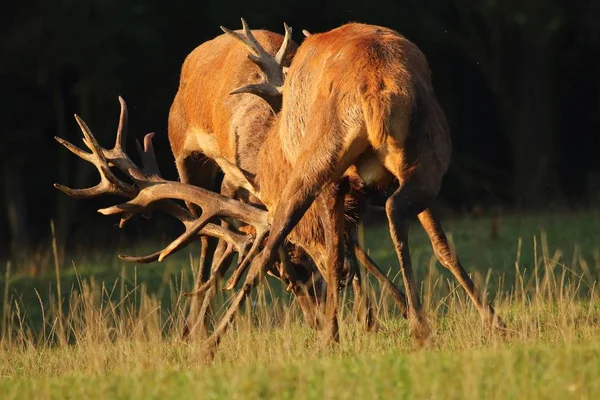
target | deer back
x=204, y=117
x=370, y=86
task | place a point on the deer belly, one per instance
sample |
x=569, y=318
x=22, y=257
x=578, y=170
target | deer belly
x=205, y=142
x=371, y=171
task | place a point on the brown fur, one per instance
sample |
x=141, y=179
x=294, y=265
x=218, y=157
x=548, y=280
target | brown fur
x=238, y=125
x=358, y=100
x=203, y=104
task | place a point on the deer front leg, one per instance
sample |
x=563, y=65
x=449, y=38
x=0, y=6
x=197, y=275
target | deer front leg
x=286, y=217
x=198, y=317
x=362, y=304
x=211, y=267
x=198, y=170
x=257, y=271
x=307, y=287
x=363, y=309
x=384, y=281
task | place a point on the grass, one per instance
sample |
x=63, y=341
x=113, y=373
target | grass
x=117, y=334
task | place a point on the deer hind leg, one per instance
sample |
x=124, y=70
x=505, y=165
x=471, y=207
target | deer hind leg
x=449, y=260
x=331, y=211
x=404, y=204
x=385, y=282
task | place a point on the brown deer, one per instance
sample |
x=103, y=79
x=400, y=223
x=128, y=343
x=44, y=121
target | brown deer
x=203, y=112
x=358, y=105
x=150, y=191
x=206, y=123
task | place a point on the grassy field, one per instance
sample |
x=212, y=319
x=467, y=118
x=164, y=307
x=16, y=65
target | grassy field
x=117, y=334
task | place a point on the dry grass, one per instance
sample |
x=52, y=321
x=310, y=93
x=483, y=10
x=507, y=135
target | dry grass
x=120, y=340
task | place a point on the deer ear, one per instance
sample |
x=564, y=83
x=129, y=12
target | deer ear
x=238, y=176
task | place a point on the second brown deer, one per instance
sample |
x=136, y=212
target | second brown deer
x=358, y=106
x=206, y=123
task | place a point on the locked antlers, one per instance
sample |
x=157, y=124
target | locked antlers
x=150, y=191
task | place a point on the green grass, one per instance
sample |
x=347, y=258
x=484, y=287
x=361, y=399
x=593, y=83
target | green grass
x=117, y=335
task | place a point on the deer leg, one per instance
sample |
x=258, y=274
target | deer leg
x=306, y=287
x=362, y=304
x=400, y=207
x=384, y=281
x=195, y=169
x=255, y=274
x=331, y=212
x=280, y=229
x=197, y=321
x=363, y=309
x=449, y=260
x=219, y=267
x=309, y=296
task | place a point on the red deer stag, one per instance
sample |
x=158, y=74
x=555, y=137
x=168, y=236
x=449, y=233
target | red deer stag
x=207, y=123
x=248, y=115
x=358, y=102
x=149, y=191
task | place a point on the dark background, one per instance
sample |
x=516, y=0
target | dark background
x=519, y=81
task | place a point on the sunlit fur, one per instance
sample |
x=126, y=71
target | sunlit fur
x=205, y=121
x=380, y=116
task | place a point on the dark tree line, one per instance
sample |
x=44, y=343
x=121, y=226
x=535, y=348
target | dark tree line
x=519, y=81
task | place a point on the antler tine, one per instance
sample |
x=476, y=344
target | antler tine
x=74, y=149
x=185, y=238
x=212, y=204
x=234, y=240
x=238, y=240
x=257, y=47
x=271, y=66
x=122, y=129
x=109, y=183
x=285, y=45
x=148, y=156
x=90, y=140
x=247, y=39
x=106, y=186
x=266, y=91
x=306, y=33
x=245, y=261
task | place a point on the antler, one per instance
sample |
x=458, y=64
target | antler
x=152, y=191
x=271, y=66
